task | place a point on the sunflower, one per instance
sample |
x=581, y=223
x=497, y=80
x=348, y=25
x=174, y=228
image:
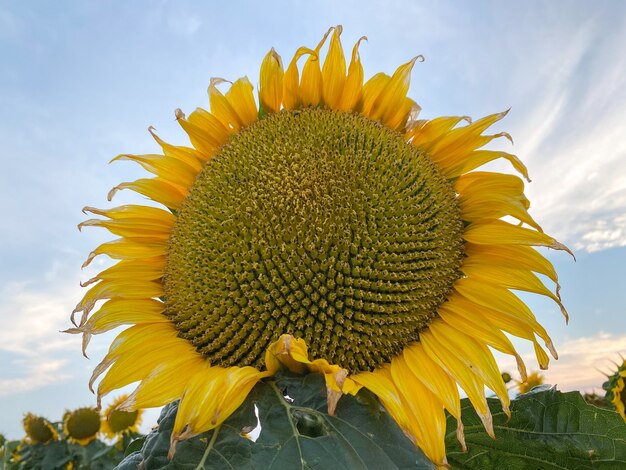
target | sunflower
x=325, y=229
x=615, y=388
x=81, y=426
x=117, y=422
x=38, y=429
x=532, y=380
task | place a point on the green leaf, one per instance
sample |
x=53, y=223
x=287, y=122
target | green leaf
x=296, y=433
x=135, y=445
x=55, y=455
x=547, y=430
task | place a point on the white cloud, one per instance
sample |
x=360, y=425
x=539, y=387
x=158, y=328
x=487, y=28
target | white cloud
x=33, y=374
x=573, y=142
x=580, y=362
x=34, y=352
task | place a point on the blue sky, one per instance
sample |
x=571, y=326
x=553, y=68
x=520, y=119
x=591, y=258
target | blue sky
x=81, y=84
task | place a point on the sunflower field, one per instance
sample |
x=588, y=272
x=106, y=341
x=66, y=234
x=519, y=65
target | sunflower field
x=320, y=280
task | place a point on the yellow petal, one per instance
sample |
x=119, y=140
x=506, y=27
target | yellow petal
x=372, y=89
x=509, y=277
x=205, y=131
x=476, y=356
x=271, y=82
x=428, y=423
x=186, y=155
x=169, y=169
x=505, y=321
x=457, y=369
x=221, y=108
x=291, y=80
x=390, y=105
x=425, y=132
x=380, y=384
x=211, y=396
x=293, y=353
x=353, y=86
x=130, y=248
x=241, y=97
x=169, y=194
x=433, y=377
x=135, y=352
x=289, y=352
x=166, y=383
x=144, y=269
x=121, y=311
x=456, y=314
x=458, y=141
x=485, y=195
x=498, y=232
x=523, y=257
x=127, y=289
x=334, y=71
x=131, y=211
x=478, y=158
x=311, y=81
x=504, y=301
x=131, y=227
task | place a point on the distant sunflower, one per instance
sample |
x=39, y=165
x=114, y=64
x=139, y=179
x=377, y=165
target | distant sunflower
x=117, y=422
x=38, y=429
x=326, y=222
x=81, y=426
x=533, y=380
x=615, y=389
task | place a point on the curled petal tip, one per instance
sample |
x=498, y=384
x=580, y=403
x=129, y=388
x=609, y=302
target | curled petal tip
x=89, y=259
x=178, y=113
x=112, y=193
x=507, y=136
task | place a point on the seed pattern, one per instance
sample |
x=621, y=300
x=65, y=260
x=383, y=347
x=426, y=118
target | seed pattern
x=324, y=225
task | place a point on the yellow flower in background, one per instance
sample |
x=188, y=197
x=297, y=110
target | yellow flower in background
x=81, y=426
x=533, y=380
x=38, y=430
x=117, y=422
x=615, y=389
x=324, y=229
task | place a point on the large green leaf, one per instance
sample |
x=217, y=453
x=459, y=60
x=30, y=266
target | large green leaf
x=547, y=430
x=296, y=433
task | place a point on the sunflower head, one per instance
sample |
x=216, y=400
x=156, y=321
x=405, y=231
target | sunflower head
x=326, y=229
x=81, y=426
x=534, y=379
x=38, y=429
x=116, y=423
x=615, y=388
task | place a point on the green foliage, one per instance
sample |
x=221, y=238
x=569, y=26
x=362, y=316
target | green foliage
x=547, y=430
x=62, y=454
x=56, y=455
x=295, y=434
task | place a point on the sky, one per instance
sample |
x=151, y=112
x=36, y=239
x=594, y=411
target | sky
x=81, y=84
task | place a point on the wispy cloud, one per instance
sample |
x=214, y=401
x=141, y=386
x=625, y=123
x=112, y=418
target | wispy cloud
x=33, y=373
x=580, y=362
x=574, y=143
x=34, y=353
